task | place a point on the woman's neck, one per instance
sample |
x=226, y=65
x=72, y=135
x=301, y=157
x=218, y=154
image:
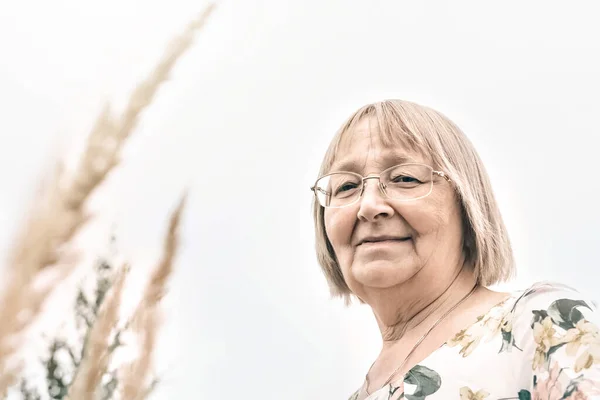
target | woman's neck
x=407, y=306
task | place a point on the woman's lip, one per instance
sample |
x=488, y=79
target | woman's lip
x=386, y=241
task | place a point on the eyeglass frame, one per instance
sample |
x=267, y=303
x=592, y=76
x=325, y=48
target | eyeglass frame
x=313, y=188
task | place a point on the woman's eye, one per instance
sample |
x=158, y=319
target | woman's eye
x=346, y=187
x=404, y=179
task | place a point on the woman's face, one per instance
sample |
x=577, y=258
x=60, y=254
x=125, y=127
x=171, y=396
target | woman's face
x=427, y=232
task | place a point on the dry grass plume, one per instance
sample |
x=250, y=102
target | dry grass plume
x=96, y=356
x=134, y=377
x=41, y=248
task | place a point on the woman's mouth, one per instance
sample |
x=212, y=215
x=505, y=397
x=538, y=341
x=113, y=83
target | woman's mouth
x=370, y=242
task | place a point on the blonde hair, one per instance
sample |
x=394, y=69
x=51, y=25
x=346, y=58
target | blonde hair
x=486, y=245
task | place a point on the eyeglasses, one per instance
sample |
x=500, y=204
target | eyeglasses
x=403, y=182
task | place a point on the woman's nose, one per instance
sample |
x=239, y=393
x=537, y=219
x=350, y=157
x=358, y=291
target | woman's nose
x=373, y=202
x=373, y=184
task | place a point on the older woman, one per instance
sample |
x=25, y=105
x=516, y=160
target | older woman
x=407, y=223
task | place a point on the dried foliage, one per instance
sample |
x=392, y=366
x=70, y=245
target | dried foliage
x=42, y=255
x=97, y=351
x=134, y=376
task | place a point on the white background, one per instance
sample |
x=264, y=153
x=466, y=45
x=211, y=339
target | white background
x=244, y=123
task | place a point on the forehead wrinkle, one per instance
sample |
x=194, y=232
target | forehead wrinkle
x=385, y=160
x=396, y=142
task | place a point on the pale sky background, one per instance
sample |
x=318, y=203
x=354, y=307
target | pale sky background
x=244, y=123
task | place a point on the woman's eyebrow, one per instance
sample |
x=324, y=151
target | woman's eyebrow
x=346, y=165
x=388, y=159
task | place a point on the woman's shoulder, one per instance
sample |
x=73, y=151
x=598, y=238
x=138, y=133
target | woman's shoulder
x=550, y=335
x=526, y=319
x=554, y=299
x=546, y=302
x=556, y=325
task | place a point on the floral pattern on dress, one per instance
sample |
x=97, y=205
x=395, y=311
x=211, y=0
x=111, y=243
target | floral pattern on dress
x=563, y=326
x=487, y=327
x=425, y=381
x=420, y=382
x=546, y=340
x=466, y=393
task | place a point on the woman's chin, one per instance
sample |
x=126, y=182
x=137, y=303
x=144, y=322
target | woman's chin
x=381, y=274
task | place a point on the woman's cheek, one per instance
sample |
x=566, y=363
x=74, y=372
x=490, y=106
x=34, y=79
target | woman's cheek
x=339, y=226
x=422, y=220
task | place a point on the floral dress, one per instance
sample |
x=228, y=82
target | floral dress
x=540, y=343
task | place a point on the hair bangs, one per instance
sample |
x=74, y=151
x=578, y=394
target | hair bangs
x=387, y=123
